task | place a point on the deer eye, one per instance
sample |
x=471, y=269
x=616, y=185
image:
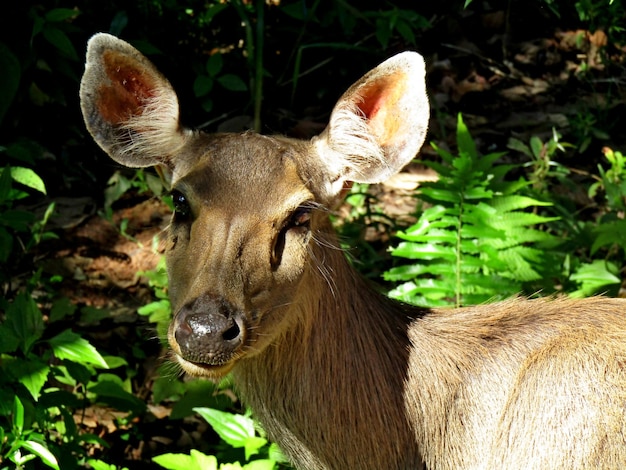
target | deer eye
x=181, y=205
x=299, y=221
x=301, y=217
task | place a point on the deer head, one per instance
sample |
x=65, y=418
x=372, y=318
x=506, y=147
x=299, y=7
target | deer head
x=249, y=209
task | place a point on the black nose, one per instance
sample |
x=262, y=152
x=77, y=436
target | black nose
x=208, y=330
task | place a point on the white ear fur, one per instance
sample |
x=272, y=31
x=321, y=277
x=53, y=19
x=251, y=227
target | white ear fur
x=130, y=109
x=378, y=125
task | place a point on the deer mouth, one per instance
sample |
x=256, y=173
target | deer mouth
x=208, y=371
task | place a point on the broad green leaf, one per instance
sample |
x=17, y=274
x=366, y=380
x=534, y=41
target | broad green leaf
x=610, y=233
x=199, y=393
x=31, y=372
x=9, y=342
x=231, y=466
x=262, y=464
x=203, y=461
x=68, y=345
x=253, y=445
x=25, y=320
x=17, y=220
x=202, y=85
x=536, y=145
x=42, y=452
x=61, y=308
x=59, y=39
x=29, y=178
x=214, y=65
x=186, y=462
x=232, y=428
x=7, y=398
x=100, y=465
x=594, y=277
x=232, y=82
x=112, y=393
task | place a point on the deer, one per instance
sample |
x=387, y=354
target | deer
x=337, y=373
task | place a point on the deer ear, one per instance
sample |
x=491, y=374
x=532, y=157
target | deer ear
x=129, y=108
x=378, y=125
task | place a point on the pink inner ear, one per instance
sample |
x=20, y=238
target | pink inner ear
x=381, y=101
x=128, y=90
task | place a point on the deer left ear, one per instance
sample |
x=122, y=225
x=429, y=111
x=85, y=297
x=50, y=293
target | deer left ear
x=378, y=125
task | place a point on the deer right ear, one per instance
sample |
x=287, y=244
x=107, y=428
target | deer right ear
x=377, y=126
x=129, y=108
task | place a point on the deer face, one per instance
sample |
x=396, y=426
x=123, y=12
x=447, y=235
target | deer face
x=238, y=246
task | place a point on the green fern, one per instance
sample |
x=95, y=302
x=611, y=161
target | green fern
x=477, y=240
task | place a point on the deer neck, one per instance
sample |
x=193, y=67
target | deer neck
x=346, y=351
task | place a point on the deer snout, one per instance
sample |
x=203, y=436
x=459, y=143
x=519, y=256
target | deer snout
x=208, y=332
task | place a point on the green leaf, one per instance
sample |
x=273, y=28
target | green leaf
x=610, y=233
x=203, y=461
x=536, y=145
x=25, y=320
x=29, y=178
x=232, y=428
x=404, y=28
x=59, y=39
x=594, y=277
x=196, y=460
x=214, y=65
x=232, y=82
x=464, y=140
x=32, y=373
x=199, y=393
x=18, y=415
x=261, y=464
x=111, y=392
x=42, y=452
x=61, y=308
x=100, y=465
x=68, y=345
x=202, y=85
x=9, y=342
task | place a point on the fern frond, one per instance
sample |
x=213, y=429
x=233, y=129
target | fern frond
x=477, y=240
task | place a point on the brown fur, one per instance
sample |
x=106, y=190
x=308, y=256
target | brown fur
x=341, y=376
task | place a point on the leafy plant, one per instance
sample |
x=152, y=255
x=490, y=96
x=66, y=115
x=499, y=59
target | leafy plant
x=40, y=422
x=238, y=432
x=478, y=239
x=542, y=163
x=607, y=237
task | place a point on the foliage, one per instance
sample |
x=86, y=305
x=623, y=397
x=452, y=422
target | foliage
x=476, y=241
x=482, y=238
x=238, y=431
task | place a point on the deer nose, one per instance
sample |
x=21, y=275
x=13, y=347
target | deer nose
x=208, y=331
